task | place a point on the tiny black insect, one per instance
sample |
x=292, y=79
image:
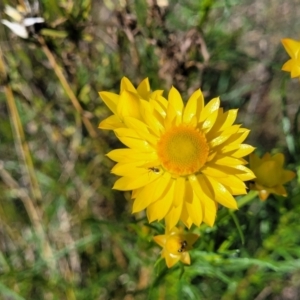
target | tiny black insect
x=154, y=169
x=183, y=246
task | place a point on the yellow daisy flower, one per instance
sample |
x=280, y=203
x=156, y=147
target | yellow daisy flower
x=292, y=47
x=176, y=245
x=270, y=175
x=181, y=161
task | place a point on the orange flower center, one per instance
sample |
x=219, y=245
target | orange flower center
x=183, y=150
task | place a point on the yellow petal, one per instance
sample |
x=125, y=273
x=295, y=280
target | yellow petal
x=224, y=121
x=180, y=184
x=128, y=169
x=234, y=185
x=221, y=194
x=185, y=258
x=163, y=185
x=292, y=66
x=230, y=117
x=195, y=210
x=159, y=209
x=126, y=85
x=229, y=161
x=171, y=118
x=279, y=158
x=135, y=193
x=213, y=170
x=191, y=238
x=175, y=101
x=288, y=66
x=171, y=259
x=287, y=176
x=292, y=47
x=111, y=100
x=263, y=195
x=243, y=150
x=111, y=123
x=144, y=198
x=128, y=105
x=204, y=192
x=156, y=93
x=221, y=138
x=267, y=156
x=247, y=175
x=280, y=190
x=126, y=132
x=209, y=206
x=185, y=218
x=209, y=212
x=174, y=231
x=237, y=138
x=268, y=173
x=209, y=108
x=193, y=206
x=134, y=143
x=131, y=183
x=130, y=155
x=160, y=239
x=197, y=188
x=141, y=129
x=149, y=118
x=193, y=107
x=222, y=171
x=210, y=121
x=160, y=104
x=296, y=70
x=170, y=121
x=173, y=216
x=143, y=89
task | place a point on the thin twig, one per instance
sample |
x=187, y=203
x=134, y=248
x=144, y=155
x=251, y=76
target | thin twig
x=66, y=87
x=19, y=136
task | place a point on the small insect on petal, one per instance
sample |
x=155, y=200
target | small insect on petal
x=182, y=247
x=176, y=245
x=154, y=169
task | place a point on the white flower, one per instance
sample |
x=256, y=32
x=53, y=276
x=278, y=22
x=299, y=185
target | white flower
x=22, y=18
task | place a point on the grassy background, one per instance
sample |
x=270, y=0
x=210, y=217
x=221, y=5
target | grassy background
x=64, y=234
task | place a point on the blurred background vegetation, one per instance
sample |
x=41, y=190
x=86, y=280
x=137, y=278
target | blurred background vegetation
x=64, y=234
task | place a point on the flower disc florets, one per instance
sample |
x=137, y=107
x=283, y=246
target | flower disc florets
x=182, y=150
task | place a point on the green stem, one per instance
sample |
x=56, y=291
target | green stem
x=237, y=224
x=225, y=213
x=247, y=198
x=286, y=123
